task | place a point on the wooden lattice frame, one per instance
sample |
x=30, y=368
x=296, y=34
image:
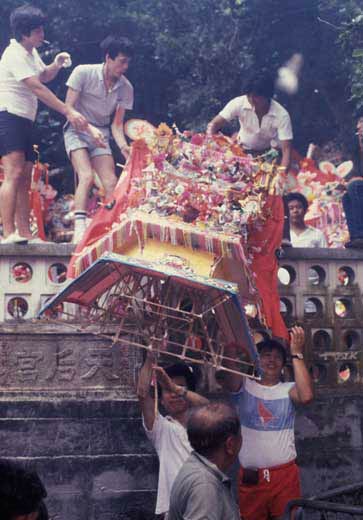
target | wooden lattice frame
x=151, y=313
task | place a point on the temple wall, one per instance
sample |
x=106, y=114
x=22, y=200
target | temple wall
x=325, y=293
x=68, y=406
x=68, y=402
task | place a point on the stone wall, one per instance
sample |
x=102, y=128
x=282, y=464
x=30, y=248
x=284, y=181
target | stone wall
x=91, y=454
x=323, y=290
x=30, y=275
x=68, y=403
x=329, y=443
x=68, y=407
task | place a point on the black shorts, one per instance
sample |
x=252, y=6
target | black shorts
x=16, y=134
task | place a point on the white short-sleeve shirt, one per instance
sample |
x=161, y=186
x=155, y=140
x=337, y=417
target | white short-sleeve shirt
x=95, y=102
x=17, y=64
x=275, y=125
x=171, y=443
x=311, y=237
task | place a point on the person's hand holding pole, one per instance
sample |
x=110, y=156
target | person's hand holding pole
x=165, y=382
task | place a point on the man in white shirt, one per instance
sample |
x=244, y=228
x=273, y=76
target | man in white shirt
x=22, y=74
x=168, y=433
x=102, y=94
x=264, y=123
x=301, y=234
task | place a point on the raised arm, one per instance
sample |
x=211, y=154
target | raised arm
x=168, y=384
x=117, y=129
x=47, y=97
x=302, y=392
x=230, y=381
x=215, y=125
x=143, y=391
x=51, y=71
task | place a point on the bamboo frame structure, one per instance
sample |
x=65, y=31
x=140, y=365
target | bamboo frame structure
x=177, y=318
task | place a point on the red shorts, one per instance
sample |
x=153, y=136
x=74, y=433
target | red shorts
x=276, y=487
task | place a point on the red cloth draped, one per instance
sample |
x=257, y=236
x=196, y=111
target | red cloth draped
x=267, y=240
x=104, y=217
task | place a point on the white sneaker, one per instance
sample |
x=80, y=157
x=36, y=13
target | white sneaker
x=14, y=238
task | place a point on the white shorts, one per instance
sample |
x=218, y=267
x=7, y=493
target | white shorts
x=74, y=140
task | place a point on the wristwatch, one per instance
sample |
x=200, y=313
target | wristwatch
x=297, y=356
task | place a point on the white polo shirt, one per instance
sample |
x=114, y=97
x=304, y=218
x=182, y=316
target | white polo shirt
x=170, y=440
x=275, y=125
x=95, y=102
x=17, y=64
x=311, y=237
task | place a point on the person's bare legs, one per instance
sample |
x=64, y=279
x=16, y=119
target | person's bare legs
x=22, y=213
x=81, y=163
x=82, y=166
x=105, y=169
x=14, y=171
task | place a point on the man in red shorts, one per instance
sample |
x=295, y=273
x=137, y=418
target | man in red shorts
x=269, y=477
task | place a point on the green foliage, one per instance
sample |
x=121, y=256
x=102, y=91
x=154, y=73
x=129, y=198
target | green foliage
x=351, y=41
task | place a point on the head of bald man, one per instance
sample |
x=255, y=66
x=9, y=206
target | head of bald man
x=214, y=431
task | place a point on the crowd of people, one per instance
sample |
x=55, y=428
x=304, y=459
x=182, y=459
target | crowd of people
x=198, y=439
x=97, y=98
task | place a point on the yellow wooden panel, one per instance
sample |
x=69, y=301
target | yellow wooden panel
x=200, y=262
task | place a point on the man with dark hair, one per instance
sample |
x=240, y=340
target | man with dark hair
x=202, y=490
x=21, y=493
x=301, y=234
x=264, y=123
x=167, y=433
x=24, y=19
x=22, y=74
x=269, y=476
x=102, y=94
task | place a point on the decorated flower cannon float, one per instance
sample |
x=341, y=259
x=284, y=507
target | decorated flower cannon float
x=169, y=264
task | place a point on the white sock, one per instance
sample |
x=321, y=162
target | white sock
x=80, y=220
